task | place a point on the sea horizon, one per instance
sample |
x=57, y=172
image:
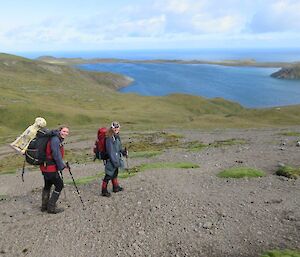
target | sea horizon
x=204, y=54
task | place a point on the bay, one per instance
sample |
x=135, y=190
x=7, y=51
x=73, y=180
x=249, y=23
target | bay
x=252, y=87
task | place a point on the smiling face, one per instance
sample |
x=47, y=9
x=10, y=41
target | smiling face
x=64, y=132
x=115, y=126
x=116, y=130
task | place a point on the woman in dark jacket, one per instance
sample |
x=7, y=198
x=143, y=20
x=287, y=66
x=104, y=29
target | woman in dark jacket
x=50, y=171
x=115, y=152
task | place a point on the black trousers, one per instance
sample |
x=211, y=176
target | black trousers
x=53, y=178
x=107, y=178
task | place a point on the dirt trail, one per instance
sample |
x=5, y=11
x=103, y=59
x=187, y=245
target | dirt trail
x=170, y=212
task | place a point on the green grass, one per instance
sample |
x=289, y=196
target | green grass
x=228, y=142
x=281, y=253
x=288, y=171
x=131, y=172
x=85, y=180
x=198, y=146
x=4, y=197
x=32, y=88
x=167, y=165
x=195, y=146
x=144, y=154
x=241, y=172
x=11, y=163
x=157, y=165
x=79, y=156
x=290, y=134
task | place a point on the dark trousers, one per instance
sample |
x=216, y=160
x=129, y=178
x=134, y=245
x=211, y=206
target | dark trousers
x=107, y=178
x=53, y=178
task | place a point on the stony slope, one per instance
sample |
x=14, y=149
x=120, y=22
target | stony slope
x=169, y=212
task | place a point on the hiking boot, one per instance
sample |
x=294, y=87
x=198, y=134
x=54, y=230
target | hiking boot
x=51, y=207
x=117, y=189
x=45, y=199
x=105, y=193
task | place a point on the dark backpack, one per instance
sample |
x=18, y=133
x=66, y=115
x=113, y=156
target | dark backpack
x=36, y=151
x=99, y=147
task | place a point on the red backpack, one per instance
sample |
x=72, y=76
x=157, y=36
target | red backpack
x=99, y=147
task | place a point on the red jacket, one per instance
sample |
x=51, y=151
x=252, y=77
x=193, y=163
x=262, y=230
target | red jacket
x=51, y=166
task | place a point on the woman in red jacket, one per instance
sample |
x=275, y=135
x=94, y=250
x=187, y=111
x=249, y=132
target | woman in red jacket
x=50, y=171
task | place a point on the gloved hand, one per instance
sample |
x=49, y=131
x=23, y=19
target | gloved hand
x=125, y=152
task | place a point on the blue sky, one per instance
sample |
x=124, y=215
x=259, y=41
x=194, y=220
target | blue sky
x=74, y=25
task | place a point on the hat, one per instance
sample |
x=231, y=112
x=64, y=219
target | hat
x=115, y=124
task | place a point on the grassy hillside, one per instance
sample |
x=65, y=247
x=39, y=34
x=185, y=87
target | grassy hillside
x=86, y=100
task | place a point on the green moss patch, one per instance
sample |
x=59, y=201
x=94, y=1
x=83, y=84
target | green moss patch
x=241, y=172
x=281, y=253
x=289, y=172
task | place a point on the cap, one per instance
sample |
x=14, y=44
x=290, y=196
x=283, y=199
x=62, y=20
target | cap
x=115, y=124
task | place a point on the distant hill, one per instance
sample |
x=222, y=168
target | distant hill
x=292, y=72
x=87, y=100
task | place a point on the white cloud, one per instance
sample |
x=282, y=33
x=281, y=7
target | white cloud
x=278, y=16
x=167, y=21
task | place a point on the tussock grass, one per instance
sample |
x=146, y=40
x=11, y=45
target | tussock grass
x=281, y=253
x=241, y=172
x=288, y=171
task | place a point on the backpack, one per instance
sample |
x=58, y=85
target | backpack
x=35, y=153
x=99, y=147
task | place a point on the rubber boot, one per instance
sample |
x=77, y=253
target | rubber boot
x=116, y=187
x=51, y=207
x=104, y=189
x=45, y=199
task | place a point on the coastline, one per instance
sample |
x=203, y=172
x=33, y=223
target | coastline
x=245, y=62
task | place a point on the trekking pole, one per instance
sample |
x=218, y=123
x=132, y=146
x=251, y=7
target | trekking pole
x=69, y=168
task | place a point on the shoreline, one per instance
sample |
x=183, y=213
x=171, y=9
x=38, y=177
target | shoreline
x=245, y=62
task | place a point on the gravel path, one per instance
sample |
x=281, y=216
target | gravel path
x=169, y=212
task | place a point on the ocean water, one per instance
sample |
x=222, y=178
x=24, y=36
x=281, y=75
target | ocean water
x=250, y=86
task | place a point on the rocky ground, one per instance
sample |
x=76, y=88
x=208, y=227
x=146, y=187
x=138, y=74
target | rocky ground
x=169, y=212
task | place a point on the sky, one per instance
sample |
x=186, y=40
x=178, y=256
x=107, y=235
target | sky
x=87, y=25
